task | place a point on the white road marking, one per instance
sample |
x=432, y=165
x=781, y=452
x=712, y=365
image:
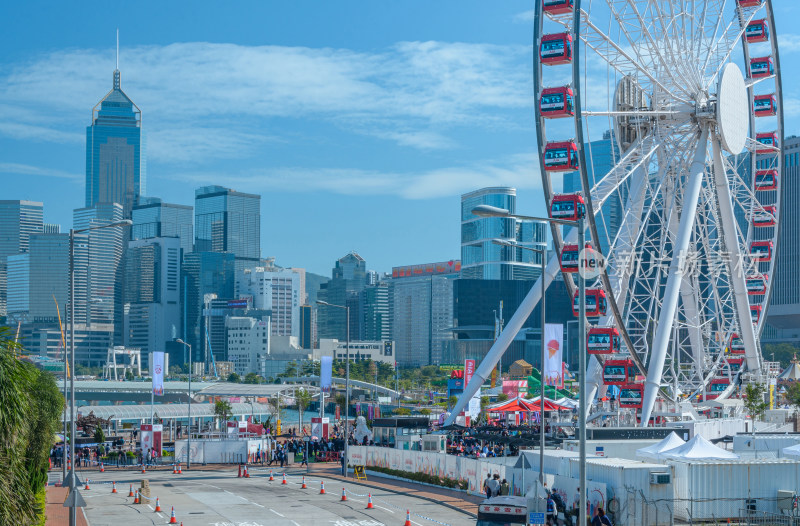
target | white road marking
x=257, y=504
x=295, y=524
x=161, y=516
x=381, y=507
x=280, y=514
x=149, y=506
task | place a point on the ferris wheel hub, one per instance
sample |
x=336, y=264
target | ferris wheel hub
x=733, y=117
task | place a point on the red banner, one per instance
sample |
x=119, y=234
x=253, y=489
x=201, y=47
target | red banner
x=469, y=370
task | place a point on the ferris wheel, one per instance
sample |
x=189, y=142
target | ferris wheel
x=661, y=123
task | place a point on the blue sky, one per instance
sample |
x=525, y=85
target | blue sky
x=359, y=123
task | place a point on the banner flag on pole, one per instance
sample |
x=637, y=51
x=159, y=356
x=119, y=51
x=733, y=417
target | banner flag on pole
x=326, y=372
x=553, y=364
x=158, y=373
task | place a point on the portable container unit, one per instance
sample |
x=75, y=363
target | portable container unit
x=556, y=461
x=774, y=443
x=613, y=449
x=654, y=481
x=721, y=489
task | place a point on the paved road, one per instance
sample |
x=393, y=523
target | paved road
x=220, y=498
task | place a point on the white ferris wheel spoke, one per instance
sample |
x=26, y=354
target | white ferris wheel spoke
x=729, y=44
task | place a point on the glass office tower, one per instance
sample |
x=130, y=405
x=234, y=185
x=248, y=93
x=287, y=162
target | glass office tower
x=153, y=218
x=482, y=259
x=228, y=221
x=115, y=166
x=18, y=220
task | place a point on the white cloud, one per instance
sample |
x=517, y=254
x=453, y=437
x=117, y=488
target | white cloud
x=205, y=99
x=525, y=17
x=520, y=171
x=27, y=169
x=789, y=43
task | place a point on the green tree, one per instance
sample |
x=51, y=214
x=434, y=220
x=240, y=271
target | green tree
x=99, y=436
x=301, y=399
x=222, y=409
x=779, y=352
x=452, y=401
x=252, y=378
x=502, y=397
x=754, y=402
x=793, y=395
x=234, y=378
x=30, y=406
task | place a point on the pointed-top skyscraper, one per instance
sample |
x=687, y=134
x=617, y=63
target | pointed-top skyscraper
x=115, y=163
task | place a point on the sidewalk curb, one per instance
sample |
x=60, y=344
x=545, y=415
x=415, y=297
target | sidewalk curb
x=422, y=497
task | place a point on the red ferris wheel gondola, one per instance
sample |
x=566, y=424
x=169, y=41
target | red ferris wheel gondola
x=630, y=395
x=596, y=303
x=765, y=217
x=767, y=142
x=765, y=105
x=756, y=285
x=561, y=156
x=556, y=49
x=757, y=31
x=735, y=344
x=557, y=103
x=558, y=7
x=766, y=180
x=761, y=251
x=567, y=206
x=602, y=340
x=761, y=67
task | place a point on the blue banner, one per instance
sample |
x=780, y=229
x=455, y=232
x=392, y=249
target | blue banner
x=326, y=367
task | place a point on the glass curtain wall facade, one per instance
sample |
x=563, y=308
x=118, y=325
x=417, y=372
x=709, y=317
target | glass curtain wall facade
x=228, y=221
x=603, y=155
x=18, y=220
x=348, y=280
x=154, y=218
x=115, y=166
x=482, y=259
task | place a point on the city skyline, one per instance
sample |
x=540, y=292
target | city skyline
x=402, y=114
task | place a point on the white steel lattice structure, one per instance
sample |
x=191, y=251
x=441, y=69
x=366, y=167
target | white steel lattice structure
x=690, y=91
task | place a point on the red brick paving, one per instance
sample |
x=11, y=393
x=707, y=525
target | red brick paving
x=55, y=512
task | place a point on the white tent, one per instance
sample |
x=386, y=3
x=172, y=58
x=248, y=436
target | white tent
x=792, y=451
x=698, y=448
x=654, y=452
x=567, y=402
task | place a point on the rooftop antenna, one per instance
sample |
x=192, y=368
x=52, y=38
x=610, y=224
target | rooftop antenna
x=116, y=70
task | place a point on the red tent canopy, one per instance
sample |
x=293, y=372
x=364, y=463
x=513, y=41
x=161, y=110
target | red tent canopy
x=514, y=405
x=549, y=405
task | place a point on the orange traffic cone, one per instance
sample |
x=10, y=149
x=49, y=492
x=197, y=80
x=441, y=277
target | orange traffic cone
x=172, y=519
x=136, y=499
x=87, y=484
x=240, y=472
x=284, y=480
x=180, y=472
x=143, y=470
x=174, y=469
x=322, y=487
x=130, y=491
x=408, y=518
x=369, y=501
x=158, y=505
x=344, y=495
x=271, y=478
x=246, y=473
x=304, y=483
x=113, y=487
x=102, y=469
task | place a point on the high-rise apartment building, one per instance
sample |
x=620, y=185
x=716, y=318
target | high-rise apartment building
x=248, y=342
x=348, y=279
x=18, y=220
x=422, y=311
x=228, y=221
x=482, y=259
x=152, y=293
x=102, y=277
x=308, y=327
x=115, y=161
x=154, y=218
x=276, y=290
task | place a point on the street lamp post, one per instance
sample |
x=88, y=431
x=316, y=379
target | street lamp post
x=543, y=254
x=188, y=416
x=72, y=479
x=493, y=211
x=346, y=382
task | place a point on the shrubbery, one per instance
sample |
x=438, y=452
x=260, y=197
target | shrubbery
x=422, y=477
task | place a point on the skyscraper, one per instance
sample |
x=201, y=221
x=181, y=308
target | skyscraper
x=783, y=321
x=376, y=307
x=348, y=279
x=207, y=276
x=154, y=218
x=422, y=311
x=603, y=156
x=101, y=277
x=228, y=221
x=482, y=259
x=115, y=161
x=152, y=293
x=276, y=290
x=39, y=279
x=18, y=220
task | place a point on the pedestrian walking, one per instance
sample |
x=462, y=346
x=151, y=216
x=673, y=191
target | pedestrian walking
x=487, y=487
